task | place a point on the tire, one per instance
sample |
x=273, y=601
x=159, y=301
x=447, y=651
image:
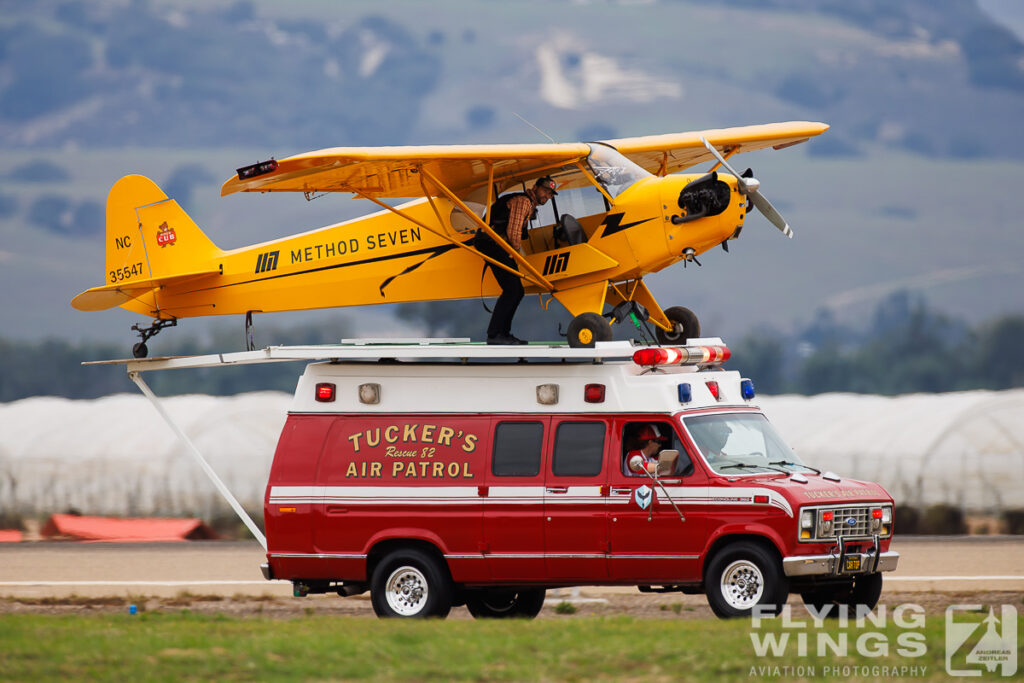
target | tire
x=140, y=350
x=860, y=593
x=686, y=324
x=588, y=328
x=505, y=603
x=743, y=575
x=410, y=584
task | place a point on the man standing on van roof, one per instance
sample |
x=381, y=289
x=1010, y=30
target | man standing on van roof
x=509, y=217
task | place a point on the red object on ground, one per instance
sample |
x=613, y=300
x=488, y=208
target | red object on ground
x=126, y=530
x=11, y=536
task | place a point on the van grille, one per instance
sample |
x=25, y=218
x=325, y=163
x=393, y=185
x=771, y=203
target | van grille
x=854, y=521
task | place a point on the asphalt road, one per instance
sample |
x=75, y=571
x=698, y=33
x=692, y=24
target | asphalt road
x=55, y=570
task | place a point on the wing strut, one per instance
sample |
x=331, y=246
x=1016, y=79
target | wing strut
x=537, y=278
x=461, y=245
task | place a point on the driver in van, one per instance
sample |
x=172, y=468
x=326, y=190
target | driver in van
x=711, y=438
x=647, y=443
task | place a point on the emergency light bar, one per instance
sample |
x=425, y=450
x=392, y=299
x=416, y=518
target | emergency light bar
x=682, y=355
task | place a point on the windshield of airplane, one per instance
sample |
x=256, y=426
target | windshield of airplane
x=615, y=172
x=742, y=444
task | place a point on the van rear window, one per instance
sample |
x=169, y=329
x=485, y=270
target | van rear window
x=517, y=449
x=579, y=449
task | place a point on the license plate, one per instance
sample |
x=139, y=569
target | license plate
x=852, y=564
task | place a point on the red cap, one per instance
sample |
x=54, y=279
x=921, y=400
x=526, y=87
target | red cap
x=547, y=182
x=649, y=433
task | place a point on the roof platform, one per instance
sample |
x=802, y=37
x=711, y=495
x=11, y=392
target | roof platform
x=461, y=350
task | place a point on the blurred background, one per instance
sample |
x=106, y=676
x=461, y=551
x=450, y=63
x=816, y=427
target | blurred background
x=905, y=277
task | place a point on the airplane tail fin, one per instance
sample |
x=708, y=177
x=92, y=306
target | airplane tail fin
x=151, y=242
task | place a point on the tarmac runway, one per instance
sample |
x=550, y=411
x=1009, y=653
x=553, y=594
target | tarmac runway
x=957, y=564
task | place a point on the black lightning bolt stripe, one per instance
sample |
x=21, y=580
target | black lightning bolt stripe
x=614, y=223
x=432, y=251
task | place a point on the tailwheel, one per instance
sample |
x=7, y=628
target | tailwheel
x=684, y=323
x=588, y=328
x=139, y=349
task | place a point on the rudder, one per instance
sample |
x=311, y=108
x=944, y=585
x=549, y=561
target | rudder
x=150, y=241
x=150, y=237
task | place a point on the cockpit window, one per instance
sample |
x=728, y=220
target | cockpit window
x=742, y=444
x=615, y=172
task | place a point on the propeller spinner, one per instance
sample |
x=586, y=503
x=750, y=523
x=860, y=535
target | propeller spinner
x=749, y=187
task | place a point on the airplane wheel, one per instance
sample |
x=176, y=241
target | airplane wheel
x=140, y=350
x=686, y=326
x=588, y=328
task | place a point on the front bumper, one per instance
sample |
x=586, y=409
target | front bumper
x=836, y=562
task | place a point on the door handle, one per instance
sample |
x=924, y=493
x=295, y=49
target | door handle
x=622, y=489
x=557, y=489
x=336, y=510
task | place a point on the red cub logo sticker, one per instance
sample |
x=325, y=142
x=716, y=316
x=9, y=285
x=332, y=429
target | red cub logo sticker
x=165, y=236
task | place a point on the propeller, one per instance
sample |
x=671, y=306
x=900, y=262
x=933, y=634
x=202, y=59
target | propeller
x=748, y=186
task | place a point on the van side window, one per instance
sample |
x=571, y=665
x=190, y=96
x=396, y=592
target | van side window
x=517, y=448
x=579, y=449
x=636, y=436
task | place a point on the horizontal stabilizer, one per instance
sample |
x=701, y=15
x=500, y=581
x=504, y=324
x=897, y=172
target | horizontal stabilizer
x=109, y=296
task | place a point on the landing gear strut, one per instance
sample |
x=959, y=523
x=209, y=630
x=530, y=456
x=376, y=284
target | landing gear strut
x=140, y=350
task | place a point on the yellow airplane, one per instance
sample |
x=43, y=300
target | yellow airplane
x=631, y=214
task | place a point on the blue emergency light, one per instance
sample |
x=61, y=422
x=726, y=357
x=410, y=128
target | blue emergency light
x=685, y=395
x=746, y=389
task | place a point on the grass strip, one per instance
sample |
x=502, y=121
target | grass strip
x=189, y=646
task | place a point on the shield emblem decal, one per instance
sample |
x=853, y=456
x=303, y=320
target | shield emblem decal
x=643, y=496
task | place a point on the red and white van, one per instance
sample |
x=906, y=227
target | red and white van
x=477, y=482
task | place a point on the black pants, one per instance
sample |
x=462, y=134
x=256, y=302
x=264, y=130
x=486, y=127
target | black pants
x=511, y=288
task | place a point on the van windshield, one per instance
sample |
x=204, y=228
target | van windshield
x=742, y=444
x=615, y=172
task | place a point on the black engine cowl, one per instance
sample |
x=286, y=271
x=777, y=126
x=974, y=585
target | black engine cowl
x=703, y=197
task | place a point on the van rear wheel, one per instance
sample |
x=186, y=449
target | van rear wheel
x=410, y=584
x=505, y=603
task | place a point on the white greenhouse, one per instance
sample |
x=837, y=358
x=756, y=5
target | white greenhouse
x=115, y=455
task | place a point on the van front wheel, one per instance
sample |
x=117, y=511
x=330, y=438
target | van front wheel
x=410, y=584
x=505, y=603
x=742, y=576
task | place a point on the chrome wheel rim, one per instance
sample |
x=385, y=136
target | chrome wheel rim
x=406, y=591
x=742, y=584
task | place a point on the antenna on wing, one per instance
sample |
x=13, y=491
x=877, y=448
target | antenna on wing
x=535, y=128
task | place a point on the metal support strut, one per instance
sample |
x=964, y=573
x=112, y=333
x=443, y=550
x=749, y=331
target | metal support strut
x=232, y=501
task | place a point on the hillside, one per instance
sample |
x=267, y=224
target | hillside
x=909, y=189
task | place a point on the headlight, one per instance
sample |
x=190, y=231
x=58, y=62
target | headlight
x=806, y=525
x=807, y=520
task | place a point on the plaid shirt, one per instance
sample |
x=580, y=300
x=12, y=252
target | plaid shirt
x=519, y=210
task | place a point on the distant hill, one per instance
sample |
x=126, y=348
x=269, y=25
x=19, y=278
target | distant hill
x=288, y=77
x=912, y=187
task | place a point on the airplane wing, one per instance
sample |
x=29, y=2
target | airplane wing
x=395, y=172
x=661, y=154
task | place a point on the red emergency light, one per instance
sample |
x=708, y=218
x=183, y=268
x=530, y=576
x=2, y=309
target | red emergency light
x=324, y=392
x=876, y=513
x=715, y=392
x=682, y=355
x=593, y=393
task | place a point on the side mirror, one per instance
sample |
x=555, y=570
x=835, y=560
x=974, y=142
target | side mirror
x=667, y=462
x=636, y=463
